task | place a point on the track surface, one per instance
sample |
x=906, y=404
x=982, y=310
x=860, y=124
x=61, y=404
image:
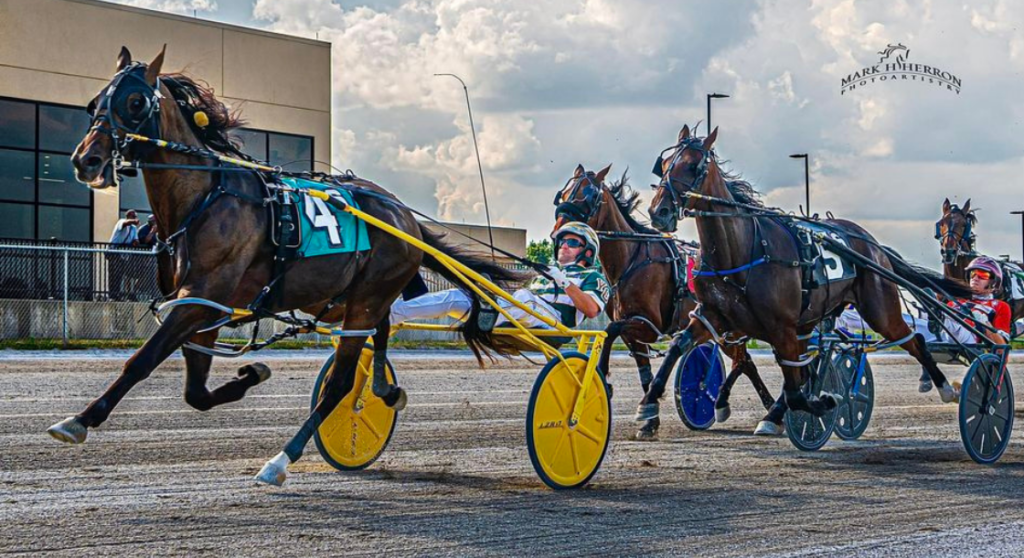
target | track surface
x=160, y=479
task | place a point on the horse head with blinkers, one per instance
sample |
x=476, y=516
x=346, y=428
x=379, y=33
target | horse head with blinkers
x=681, y=174
x=955, y=231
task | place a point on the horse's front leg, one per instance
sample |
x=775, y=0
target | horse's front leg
x=182, y=323
x=681, y=344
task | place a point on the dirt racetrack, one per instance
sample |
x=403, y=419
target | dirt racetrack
x=160, y=479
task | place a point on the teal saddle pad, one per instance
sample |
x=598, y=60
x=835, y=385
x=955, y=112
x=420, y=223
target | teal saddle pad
x=326, y=230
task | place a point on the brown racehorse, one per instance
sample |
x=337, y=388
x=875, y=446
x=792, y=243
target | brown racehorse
x=751, y=279
x=222, y=251
x=955, y=233
x=644, y=305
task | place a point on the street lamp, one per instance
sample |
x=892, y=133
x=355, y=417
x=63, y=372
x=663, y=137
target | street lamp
x=713, y=96
x=479, y=166
x=1021, y=213
x=807, y=177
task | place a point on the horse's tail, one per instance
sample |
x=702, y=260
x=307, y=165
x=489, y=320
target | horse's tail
x=926, y=278
x=479, y=341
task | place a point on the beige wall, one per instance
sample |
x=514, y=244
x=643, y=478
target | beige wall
x=63, y=51
x=506, y=238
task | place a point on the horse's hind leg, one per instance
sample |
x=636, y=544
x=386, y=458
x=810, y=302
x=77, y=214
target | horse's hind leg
x=197, y=373
x=882, y=314
x=337, y=384
x=392, y=395
x=741, y=364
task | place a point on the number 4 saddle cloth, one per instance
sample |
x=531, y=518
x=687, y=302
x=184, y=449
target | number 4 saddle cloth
x=321, y=230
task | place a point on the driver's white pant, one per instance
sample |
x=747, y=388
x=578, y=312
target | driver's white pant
x=852, y=321
x=456, y=304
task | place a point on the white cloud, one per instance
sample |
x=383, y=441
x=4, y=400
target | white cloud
x=184, y=7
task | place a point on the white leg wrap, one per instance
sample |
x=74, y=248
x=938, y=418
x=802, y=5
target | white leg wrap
x=275, y=471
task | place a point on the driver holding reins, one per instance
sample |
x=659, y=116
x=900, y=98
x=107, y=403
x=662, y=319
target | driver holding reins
x=578, y=288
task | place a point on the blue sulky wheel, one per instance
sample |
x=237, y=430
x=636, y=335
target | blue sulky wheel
x=858, y=391
x=986, y=409
x=698, y=380
x=806, y=431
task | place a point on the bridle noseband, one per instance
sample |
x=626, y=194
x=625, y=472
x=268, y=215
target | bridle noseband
x=668, y=182
x=585, y=190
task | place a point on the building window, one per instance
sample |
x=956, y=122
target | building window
x=132, y=194
x=39, y=196
x=292, y=152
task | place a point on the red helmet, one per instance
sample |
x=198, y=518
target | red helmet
x=986, y=263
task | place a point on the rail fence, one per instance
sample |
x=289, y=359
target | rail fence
x=95, y=291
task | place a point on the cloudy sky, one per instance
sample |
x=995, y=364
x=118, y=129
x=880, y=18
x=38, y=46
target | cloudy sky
x=562, y=82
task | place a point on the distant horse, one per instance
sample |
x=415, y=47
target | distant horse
x=650, y=297
x=221, y=249
x=955, y=233
x=751, y=278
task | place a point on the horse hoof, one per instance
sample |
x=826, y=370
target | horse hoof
x=69, y=431
x=769, y=428
x=646, y=411
x=722, y=414
x=925, y=385
x=831, y=400
x=397, y=399
x=262, y=371
x=274, y=472
x=950, y=393
x=646, y=435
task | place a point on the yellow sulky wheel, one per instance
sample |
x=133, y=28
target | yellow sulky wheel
x=567, y=456
x=356, y=433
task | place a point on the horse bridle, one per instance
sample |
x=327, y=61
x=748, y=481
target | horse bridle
x=590, y=191
x=113, y=101
x=950, y=256
x=700, y=170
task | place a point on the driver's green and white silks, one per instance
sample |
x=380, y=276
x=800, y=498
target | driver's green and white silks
x=590, y=280
x=325, y=229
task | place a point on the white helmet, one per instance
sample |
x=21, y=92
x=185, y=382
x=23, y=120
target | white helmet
x=583, y=231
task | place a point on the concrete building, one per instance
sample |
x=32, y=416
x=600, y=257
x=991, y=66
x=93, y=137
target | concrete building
x=56, y=55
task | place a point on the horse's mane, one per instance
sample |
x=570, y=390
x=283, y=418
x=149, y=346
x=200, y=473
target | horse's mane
x=628, y=200
x=741, y=190
x=193, y=96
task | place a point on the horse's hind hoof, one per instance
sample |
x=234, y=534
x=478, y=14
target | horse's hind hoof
x=722, y=414
x=769, y=428
x=397, y=399
x=831, y=400
x=260, y=370
x=275, y=471
x=69, y=431
x=950, y=393
x=646, y=412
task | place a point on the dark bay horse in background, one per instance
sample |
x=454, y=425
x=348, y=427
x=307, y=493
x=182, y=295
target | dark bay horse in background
x=647, y=299
x=751, y=283
x=956, y=236
x=222, y=251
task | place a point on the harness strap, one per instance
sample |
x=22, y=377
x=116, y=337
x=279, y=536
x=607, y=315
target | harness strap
x=733, y=271
x=720, y=339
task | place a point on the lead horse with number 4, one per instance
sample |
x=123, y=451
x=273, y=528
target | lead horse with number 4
x=751, y=281
x=221, y=249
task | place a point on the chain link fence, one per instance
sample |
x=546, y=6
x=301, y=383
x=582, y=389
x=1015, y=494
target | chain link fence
x=92, y=291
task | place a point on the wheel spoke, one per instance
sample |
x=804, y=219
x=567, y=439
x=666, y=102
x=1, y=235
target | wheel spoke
x=585, y=432
x=555, y=396
x=369, y=426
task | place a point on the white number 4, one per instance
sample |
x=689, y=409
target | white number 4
x=320, y=216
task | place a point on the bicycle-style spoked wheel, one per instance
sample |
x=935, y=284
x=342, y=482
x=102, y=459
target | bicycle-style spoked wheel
x=986, y=409
x=858, y=392
x=806, y=431
x=699, y=378
x=567, y=455
x=355, y=434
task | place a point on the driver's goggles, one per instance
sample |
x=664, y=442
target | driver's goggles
x=981, y=274
x=572, y=243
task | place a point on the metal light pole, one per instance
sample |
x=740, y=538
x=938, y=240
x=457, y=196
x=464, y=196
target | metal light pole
x=1021, y=213
x=479, y=166
x=807, y=177
x=713, y=96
